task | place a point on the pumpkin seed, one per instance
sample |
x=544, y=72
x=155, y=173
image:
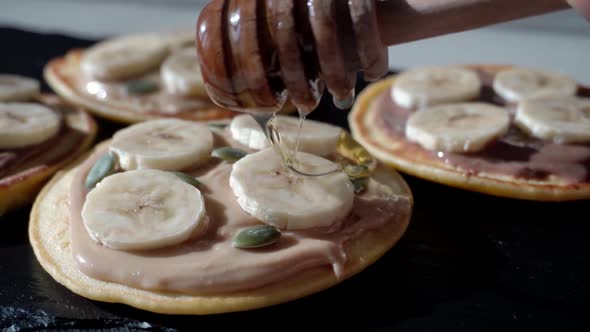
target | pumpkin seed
x=188, y=179
x=140, y=87
x=357, y=171
x=360, y=184
x=217, y=126
x=256, y=237
x=103, y=167
x=351, y=149
x=228, y=154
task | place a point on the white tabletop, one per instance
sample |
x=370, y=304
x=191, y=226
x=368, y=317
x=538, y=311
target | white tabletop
x=559, y=41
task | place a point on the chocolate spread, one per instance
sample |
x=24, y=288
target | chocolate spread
x=15, y=162
x=516, y=154
x=209, y=263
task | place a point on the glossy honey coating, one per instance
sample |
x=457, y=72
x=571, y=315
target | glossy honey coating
x=255, y=54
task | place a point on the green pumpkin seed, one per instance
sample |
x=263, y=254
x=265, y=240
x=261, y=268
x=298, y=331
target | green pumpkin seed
x=360, y=184
x=217, y=126
x=141, y=87
x=188, y=179
x=256, y=237
x=228, y=154
x=351, y=149
x=357, y=171
x=103, y=167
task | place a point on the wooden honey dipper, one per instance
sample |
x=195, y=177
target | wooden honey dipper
x=255, y=53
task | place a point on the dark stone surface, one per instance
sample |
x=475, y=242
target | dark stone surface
x=469, y=262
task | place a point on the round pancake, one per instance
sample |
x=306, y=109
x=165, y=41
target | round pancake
x=61, y=74
x=389, y=151
x=21, y=188
x=49, y=233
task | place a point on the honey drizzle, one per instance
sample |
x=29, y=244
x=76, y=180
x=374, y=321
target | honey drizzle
x=267, y=122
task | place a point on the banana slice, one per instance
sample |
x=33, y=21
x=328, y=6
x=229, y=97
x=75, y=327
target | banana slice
x=562, y=120
x=124, y=57
x=316, y=137
x=427, y=86
x=142, y=210
x=182, y=75
x=18, y=88
x=24, y=124
x=518, y=84
x=165, y=144
x=180, y=38
x=270, y=192
x=463, y=127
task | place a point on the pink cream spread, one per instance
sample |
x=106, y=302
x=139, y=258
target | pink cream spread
x=516, y=154
x=209, y=263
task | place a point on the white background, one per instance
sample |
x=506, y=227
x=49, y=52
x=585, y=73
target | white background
x=559, y=41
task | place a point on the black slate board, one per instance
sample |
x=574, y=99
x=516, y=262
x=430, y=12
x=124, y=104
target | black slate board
x=467, y=263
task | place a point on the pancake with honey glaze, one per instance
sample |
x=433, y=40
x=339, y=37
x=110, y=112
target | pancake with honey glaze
x=135, y=78
x=529, y=150
x=24, y=169
x=234, y=279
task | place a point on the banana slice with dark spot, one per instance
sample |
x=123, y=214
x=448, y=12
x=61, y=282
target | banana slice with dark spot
x=428, y=86
x=518, y=84
x=166, y=144
x=18, y=88
x=269, y=191
x=125, y=57
x=464, y=127
x=143, y=210
x=562, y=120
x=24, y=124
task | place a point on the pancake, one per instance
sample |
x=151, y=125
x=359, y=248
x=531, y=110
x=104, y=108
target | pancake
x=51, y=238
x=23, y=179
x=64, y=73
x=408, y=157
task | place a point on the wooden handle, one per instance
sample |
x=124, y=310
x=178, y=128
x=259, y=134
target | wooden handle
x=402, y=21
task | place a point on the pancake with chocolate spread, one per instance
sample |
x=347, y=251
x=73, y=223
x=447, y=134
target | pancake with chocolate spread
x=505, y=131
x=181, y=218
x=135, y=78
x=39, y=135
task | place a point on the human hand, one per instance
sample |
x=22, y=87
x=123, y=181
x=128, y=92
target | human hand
x=582, y=6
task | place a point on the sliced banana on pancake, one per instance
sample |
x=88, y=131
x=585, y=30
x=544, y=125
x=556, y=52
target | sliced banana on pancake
x=562, y=120
x=427, y=86
x=24, y=124
x=165, y=144
x=180, y=38
x=181, y=74
x=316, y=137
x=518, y=84
x=142, y=210
x=277, y=196
x=124, y=57
x=462, y=127
x=18, y=88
